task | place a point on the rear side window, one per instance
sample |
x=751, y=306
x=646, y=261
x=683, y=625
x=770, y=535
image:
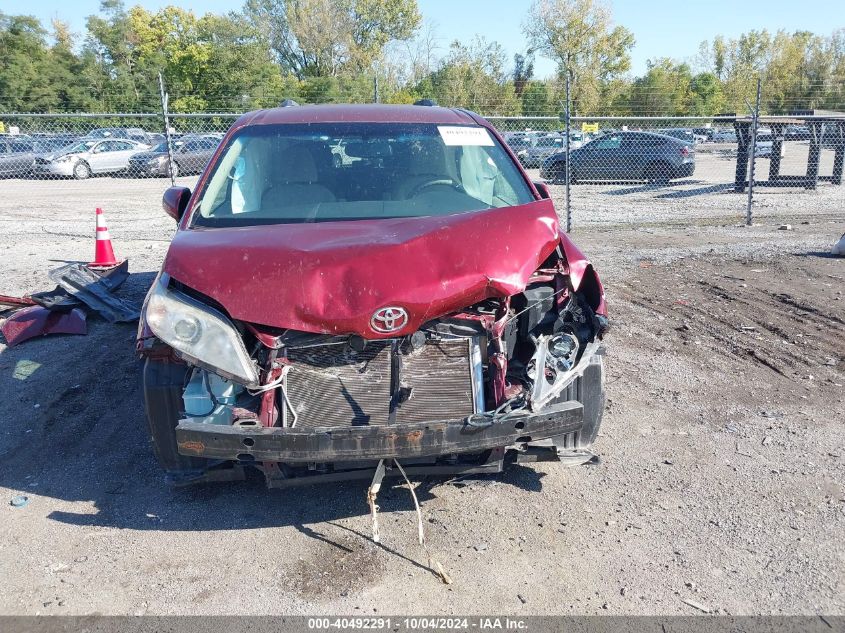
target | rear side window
x=608, y=142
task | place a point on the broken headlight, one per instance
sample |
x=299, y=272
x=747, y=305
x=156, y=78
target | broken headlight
x=200, y=334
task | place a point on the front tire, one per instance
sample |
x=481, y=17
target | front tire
x=163, y=382
x=81, y=170
x=658, y=173
x=174, y=170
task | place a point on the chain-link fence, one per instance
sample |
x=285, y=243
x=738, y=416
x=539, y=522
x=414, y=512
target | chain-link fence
x=608, y=170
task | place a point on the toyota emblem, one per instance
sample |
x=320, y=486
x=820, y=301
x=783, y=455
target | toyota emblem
x=389, y=319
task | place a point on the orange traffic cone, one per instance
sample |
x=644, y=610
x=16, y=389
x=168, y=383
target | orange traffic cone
x=103, y=252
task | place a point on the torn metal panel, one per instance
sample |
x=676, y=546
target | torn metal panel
x=39, y=321
x=96, y=291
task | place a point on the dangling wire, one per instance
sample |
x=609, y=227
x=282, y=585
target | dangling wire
x=516, y=406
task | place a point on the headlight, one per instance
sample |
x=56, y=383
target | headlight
x=200, y=334
x=62, y=159
x=156, y=161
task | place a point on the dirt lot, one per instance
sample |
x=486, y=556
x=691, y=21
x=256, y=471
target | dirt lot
x=722, y=474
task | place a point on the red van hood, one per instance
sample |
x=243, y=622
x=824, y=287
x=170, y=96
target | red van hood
x=331, y=277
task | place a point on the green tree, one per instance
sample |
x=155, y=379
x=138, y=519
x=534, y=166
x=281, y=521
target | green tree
x=537, y=100
x=24, y=85
x=579, y=35
x=69, y=73
x=320, y=38
x=663, y=90
x=473, y=76
x=523, y=72
x=707, y=97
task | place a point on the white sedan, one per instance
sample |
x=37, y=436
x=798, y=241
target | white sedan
x=89, y=156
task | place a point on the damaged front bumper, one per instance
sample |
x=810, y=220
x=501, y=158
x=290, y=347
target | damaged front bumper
x=291, y=445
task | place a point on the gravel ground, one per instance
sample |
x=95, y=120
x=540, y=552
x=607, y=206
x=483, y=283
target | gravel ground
x=722, y=474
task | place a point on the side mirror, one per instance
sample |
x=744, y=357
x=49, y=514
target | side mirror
x=175, y=201
x=543, y=189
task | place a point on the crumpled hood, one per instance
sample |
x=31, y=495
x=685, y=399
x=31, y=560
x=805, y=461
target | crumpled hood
x=331, y=277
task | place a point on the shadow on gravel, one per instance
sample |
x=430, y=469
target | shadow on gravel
x=647, y=187
x=74, y=439
x=821, y=254
x=701, y=191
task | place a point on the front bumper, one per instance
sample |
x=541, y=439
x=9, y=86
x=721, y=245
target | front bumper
x=147, y=169
x=55, y=169
x=292, y=445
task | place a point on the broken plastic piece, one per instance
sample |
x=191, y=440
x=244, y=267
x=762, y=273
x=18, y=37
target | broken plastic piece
x=839, y=247
x=38, y=321
x=19, y=501
x=95, y=291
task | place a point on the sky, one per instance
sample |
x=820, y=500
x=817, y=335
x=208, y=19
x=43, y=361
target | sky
x=662, y=28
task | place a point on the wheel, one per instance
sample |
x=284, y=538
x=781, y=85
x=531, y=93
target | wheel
x=658, y=173
x=174, y=169
x=81, y=170
x=163, y=383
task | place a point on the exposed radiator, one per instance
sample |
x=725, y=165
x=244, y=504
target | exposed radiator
x=335, y=386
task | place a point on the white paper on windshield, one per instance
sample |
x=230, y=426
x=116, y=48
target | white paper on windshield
x=461, y=135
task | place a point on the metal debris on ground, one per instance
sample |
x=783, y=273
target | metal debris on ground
x=95, y=291
x=60, y=311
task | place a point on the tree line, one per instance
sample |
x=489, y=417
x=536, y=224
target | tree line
x=318, y=51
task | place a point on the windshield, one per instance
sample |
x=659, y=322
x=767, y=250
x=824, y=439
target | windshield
x=83, y=146
x=272, y=174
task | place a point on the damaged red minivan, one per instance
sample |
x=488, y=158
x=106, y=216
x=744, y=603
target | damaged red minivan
x=357, y=283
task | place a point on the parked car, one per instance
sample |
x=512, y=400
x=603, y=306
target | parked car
x=625, y=156
x=797, y=133
x=312, y=319
x=577, y=139
x=87, y=157
x=190, y=154
x=539, y=147
x=17, y=155
x=723, y=135
x=705, y=134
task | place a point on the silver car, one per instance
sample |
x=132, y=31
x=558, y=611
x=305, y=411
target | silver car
x=89, y=156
